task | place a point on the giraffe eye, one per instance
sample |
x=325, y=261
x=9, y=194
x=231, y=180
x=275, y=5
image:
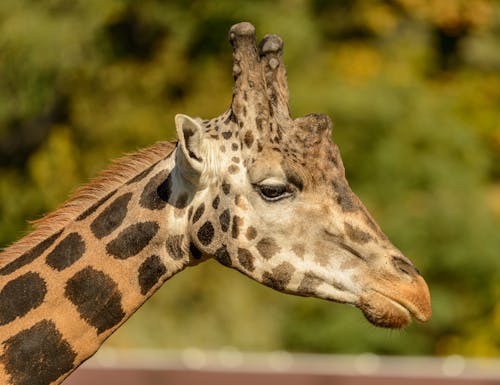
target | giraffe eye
x=273, y=192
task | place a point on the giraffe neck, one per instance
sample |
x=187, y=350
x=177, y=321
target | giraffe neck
x=63, y=297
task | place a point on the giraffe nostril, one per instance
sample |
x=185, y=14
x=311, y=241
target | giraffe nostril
x=405, y=266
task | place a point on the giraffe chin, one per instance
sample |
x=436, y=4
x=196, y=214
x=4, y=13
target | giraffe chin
x=383, y=311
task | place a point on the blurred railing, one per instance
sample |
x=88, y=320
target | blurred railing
x=229, y=366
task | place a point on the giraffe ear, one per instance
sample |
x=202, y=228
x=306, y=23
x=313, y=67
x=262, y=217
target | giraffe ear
x=190, y=134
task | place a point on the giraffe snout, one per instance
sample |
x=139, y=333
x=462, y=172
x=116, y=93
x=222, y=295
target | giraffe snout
x=414, y=294
x=397, y=295
x=418, y=300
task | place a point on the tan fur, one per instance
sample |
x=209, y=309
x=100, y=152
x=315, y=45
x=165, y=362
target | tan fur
x=118, y=173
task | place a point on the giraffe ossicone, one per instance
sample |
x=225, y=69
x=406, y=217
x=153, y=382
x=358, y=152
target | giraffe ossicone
x=253, y=188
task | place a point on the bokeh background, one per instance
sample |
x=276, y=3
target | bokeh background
x=413, y=87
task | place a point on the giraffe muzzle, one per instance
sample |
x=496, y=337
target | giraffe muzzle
x=394, y=306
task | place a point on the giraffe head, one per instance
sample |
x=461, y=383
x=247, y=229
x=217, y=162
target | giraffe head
x=273, y=202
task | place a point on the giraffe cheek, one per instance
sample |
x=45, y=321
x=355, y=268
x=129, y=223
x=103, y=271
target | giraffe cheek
x=267, y=247
x=279, y=277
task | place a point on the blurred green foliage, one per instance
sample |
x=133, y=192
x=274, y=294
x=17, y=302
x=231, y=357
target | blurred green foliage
x=413, y=87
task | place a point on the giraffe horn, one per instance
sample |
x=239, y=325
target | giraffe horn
x=271, y=54
x=249, y=92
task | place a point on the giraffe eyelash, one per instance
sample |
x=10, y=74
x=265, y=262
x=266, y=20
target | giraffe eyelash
x=274, y=192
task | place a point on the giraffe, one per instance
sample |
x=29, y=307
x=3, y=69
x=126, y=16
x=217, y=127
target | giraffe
x=253, y=188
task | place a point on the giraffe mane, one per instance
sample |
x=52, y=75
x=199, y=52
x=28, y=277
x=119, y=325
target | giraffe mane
x=120, y=171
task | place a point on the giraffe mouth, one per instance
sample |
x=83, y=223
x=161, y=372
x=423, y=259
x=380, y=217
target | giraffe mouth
x=385, y=311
